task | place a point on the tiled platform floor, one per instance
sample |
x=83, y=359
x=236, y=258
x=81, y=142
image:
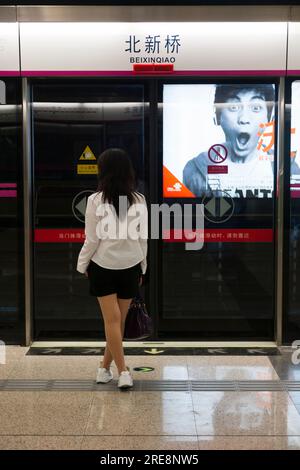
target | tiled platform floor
x=150, y=420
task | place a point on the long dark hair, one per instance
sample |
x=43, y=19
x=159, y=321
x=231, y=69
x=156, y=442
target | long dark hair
x=116, y=177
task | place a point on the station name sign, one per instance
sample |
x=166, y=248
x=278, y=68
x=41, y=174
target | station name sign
x=153, y=49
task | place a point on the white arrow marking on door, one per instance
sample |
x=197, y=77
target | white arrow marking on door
x=224, y=207
x=211, y=206
x=81, y=206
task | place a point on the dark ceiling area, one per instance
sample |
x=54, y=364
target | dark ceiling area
x=148, y=2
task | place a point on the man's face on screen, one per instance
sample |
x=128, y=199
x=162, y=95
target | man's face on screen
x=240, y=118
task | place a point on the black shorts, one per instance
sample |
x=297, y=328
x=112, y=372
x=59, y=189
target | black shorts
x=123, y=282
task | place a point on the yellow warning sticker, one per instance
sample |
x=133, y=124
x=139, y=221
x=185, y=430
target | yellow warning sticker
x=87, y=154
x=87, y=169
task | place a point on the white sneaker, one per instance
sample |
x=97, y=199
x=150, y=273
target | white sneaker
x=125, y=379
x=103, y=375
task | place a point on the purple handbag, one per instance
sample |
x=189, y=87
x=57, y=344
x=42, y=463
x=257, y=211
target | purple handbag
x=138, y=324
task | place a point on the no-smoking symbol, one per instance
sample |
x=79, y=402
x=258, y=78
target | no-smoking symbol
x=217, y=153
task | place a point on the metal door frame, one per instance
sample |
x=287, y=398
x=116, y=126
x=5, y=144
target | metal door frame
x=128, y=13
x=153, y=191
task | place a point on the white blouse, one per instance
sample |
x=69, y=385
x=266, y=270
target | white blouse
x=119, y=251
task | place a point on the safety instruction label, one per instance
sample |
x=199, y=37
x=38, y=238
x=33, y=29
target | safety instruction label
x=87, y=169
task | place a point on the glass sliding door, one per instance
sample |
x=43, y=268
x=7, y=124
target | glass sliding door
x=218, y=148
x=291, y=330
x=12, y=316
x=73, y=122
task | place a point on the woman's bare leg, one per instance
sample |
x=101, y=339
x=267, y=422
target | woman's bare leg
x=124, y=305
x=112, y=323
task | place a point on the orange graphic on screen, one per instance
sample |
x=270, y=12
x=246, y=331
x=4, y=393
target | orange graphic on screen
x=267, y=136
x=172, y=187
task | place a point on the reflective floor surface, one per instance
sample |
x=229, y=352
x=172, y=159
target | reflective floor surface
x=150, y=420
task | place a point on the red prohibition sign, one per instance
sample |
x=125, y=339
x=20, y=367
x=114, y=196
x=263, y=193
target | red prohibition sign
x=215, y=155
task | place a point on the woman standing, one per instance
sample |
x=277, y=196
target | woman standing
x=114, y=253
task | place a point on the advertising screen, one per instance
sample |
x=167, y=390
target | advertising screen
x=218, y=137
